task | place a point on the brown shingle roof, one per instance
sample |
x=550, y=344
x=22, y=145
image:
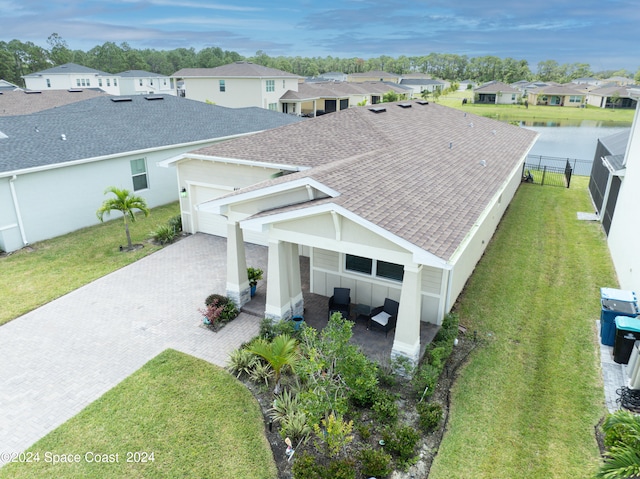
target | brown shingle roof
x=396, y=168
x=235, y=70
x=20, y=103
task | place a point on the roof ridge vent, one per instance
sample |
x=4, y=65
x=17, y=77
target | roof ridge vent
x=378, y=109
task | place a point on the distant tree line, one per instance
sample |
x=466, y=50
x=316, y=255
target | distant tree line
x=21, y=58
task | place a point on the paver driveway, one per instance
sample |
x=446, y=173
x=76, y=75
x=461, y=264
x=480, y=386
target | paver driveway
x=62, y=356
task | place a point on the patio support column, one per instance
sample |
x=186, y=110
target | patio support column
x=237, y=280
x=278, y=304
x=406, y=342
x=295, y=284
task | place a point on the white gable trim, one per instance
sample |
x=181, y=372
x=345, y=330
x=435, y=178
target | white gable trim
x=219, y=206
x=220, y=159
x=420, y=256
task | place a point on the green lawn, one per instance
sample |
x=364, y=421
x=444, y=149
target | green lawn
x=195, y=418
x=526, y=403
x=540, y=113
x=49, y=269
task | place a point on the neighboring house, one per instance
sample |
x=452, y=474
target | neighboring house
x=335, y=76
x=396, y=201
x=7, y=86
x=607, y=171
x=524, y=87
x=316, y=98
x=56, y=163
x=618, y=80
x=419, y=85
x=237, y=85
x=24, y=102
x=625, y=228
x=374, y=75
x=140, y=82
x=467, y=85
x=497, y=93
x=557, y=95
x=587, y=81
x=612, y=97
x=72, y=75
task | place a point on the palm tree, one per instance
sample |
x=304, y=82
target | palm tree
x=281, y=352
x=622, y=460
x=124, y=202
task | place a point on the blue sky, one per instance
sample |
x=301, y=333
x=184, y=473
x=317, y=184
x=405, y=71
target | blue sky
x=602, y=33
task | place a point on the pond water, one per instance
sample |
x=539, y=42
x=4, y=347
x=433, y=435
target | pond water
x=571, y=139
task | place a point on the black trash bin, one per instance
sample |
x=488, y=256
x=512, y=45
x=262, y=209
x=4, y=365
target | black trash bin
x=627, y=333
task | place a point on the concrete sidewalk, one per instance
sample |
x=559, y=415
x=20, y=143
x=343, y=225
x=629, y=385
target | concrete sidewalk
x=62, y=356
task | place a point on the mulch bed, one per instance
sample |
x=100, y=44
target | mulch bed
x=427, y=447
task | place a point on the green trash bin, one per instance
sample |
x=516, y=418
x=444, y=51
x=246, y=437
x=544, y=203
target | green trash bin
x=627, y=333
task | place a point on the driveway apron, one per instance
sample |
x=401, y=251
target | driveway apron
x=62, y=356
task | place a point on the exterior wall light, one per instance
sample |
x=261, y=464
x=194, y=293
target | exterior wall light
x=183, y=192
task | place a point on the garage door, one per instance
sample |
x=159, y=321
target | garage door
x=213, y=224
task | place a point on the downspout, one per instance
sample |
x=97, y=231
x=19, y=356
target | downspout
x=16, y=206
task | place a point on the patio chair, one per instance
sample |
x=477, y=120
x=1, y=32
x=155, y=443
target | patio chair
x=384, y=317
x=340, y=302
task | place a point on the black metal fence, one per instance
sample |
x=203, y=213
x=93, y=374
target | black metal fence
x=541, y=174
x=579, y=167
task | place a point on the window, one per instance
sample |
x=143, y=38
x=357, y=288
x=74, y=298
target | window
x=140, y=82
x=222, y=86
x=88, y=82
x=108, y=82
x=575, y=99
x=284, y=85
x=389, y=270
x=139, y=174
x=84, y=82
x=271, y=85
x=99, y=82
x=164, y=82
x=115, y=82
x=273, y=106
x=48, y=83
x=77, y=81
x=378, y=268
x=359, y=264
x=151, y=82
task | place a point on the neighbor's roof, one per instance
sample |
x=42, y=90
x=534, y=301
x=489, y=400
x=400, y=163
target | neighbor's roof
x=66, y=69
x=616, y=144
x=420, y=81
x=139, y=73
x=610, y=90
x=20, y=102
x=234, y=70
x=495, y=87
x=100, y=127
x=559, y=90
x=415, y=171
x=373, y=74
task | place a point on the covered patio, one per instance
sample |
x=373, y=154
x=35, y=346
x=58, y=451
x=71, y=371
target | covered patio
x=373, y=343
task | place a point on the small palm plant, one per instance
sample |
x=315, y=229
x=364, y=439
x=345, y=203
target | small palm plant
x=622, y=434
x=279, y=353
x=126, y=203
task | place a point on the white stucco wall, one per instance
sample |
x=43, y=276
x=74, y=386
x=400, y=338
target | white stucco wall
x=60, y=200
x=625, y=225
x=239, y=92
x=465, y=259
x=206, y=180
